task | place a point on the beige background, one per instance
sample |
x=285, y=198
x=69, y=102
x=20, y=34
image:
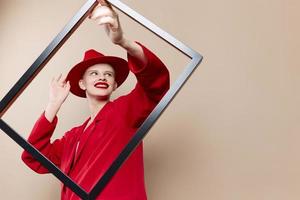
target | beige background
x=230, y=134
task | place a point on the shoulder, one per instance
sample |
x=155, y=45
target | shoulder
x=74, y=131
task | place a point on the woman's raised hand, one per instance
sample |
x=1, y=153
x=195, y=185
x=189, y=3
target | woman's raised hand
x=104, y=15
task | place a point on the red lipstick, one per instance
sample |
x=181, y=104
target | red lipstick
x=101, y=85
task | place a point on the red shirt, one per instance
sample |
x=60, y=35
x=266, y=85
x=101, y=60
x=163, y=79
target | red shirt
x=104, y=139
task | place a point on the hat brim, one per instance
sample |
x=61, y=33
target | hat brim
x=120, y=66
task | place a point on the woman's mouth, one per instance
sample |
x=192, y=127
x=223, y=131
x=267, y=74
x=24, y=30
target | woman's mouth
x=102, y=85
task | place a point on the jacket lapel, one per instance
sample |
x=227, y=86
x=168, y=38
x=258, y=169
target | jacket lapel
x=81, y=142
x=86, y=134
x=71, y=158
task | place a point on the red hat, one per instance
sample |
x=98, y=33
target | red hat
x=92, y=57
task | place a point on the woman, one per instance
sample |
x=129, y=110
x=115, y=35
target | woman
x=85, y=152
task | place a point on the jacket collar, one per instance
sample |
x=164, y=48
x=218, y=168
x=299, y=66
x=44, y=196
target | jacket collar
x=102, y=113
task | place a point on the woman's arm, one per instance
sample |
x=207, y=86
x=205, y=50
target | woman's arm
x=40, y=139
x=45, y=126
x=105, y=15
x=153, y=79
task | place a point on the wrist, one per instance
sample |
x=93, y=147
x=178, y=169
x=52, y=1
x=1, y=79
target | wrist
x=53, y=105
x=130, y=46
x=124, y=43
x=51, y=111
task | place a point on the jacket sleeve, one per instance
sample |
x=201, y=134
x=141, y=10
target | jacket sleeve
x=40, y=139
x=153, y=81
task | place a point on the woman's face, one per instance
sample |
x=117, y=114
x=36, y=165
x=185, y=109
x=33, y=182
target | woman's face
x=99, y=81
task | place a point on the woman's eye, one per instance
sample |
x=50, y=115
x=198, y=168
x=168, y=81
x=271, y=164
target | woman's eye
x=94, y=73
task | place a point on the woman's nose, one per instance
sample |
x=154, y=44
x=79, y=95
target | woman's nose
x=101, y=77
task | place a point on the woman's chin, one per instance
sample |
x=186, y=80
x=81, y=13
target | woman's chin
x=99, y=96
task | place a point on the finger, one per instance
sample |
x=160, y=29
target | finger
x=91, y=12
x=51, y=83
x=67, y=86
x=104, y=3
x=108, y=21
x=100, y=12
x=58, y=78
x=62, y=80
x=52, y=79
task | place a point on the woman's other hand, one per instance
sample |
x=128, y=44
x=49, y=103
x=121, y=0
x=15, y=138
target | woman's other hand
x=59, y=91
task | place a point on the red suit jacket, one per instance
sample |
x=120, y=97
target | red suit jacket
x=104, y=139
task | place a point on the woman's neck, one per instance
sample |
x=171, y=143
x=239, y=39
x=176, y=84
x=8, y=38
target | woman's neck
x=95, y=105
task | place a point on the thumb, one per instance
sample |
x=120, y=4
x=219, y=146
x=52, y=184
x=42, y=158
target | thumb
x=68, y=86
